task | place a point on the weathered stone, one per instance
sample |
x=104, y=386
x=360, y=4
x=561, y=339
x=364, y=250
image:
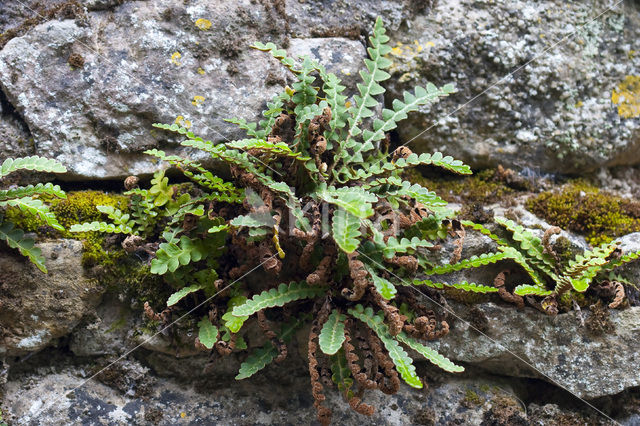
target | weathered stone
x=106, y=331
x=147, y=62
x=279, y=394
x=15, y=140
x=528, y=343
x=347, y=18
x=555, y=113
x=38, y=307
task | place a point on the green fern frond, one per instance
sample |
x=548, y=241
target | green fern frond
x=95, y=226
x=370, y=87
x=401, y=109
x=249, y=128
x=470, y=287
x=345, y=229
x=279, y=149
x=355, y=200
x=182, y=293
x=278, y=297
x=332, y=334
x=382, y=285
x=472, y=262
x=172, y=255
x=430, y=354
x=279, y=54
x=263, y=356
x=35, y=207
x=35, y=163
x=31, y=191
x=340, y=372
x=403, y=245
x=207, y=333
x=381, y=167
x=400, y=358
x=397, y=190
x=520, y=259
x=530, y=244
x=15, y=239
x=626, y=258
x=533, y=290
x=484, y=231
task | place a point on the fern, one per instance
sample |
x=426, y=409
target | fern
x=346, y=230
x=430, y=354
x=530, y=245
x=402, y=361
x=101, y=227
x=182, y=293
x=171, y=255
x=472, y=262
x=35, y=163
x=470, y=287
x=34, y=207
x=278, y=297
x=382, y=285
x=207, y=333
x=263, y=356
x=526, y=290
x=15, y=239
x=354, y=200
x=31, y=190
x=332, y=334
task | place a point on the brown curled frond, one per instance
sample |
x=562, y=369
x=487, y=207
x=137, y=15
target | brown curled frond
x=131, y=182
x=410, y=263
x=264, y=325
x=132, y=243
x=400, y=152
x=352, y=361
x=150, y=313
x=322, y=272
x=225, y=348
x=550, y=305
x=619, y=295
x=546, y=239
x=360, y=407
x=546, y=243
x=387, y=380
x=359, y=276
x=395, y=319
x=270, y=262
x=504, y=294
x=458, y=230
x=324, y=414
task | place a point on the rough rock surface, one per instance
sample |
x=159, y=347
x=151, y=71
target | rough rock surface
x=130, y=395
x=37, y=308
x=527, y=343
x=89, y=88
x=554, y=114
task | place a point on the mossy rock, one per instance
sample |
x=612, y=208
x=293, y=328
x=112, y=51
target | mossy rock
x=585, y=209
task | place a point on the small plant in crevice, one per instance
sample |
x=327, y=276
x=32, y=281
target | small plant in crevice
x=551, y=277
x=28, y=200
x=319, y=202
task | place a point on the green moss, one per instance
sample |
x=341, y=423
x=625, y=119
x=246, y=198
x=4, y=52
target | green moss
x=482, y=187
x=583, y=208
x=471, y=398
x=78, y=207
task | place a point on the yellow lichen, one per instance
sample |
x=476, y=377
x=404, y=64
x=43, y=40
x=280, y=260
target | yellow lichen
x=175, y=58
x=203, y=24
x=200, y=71
x=197, y=100
x=181, y=121
x=627, y=97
